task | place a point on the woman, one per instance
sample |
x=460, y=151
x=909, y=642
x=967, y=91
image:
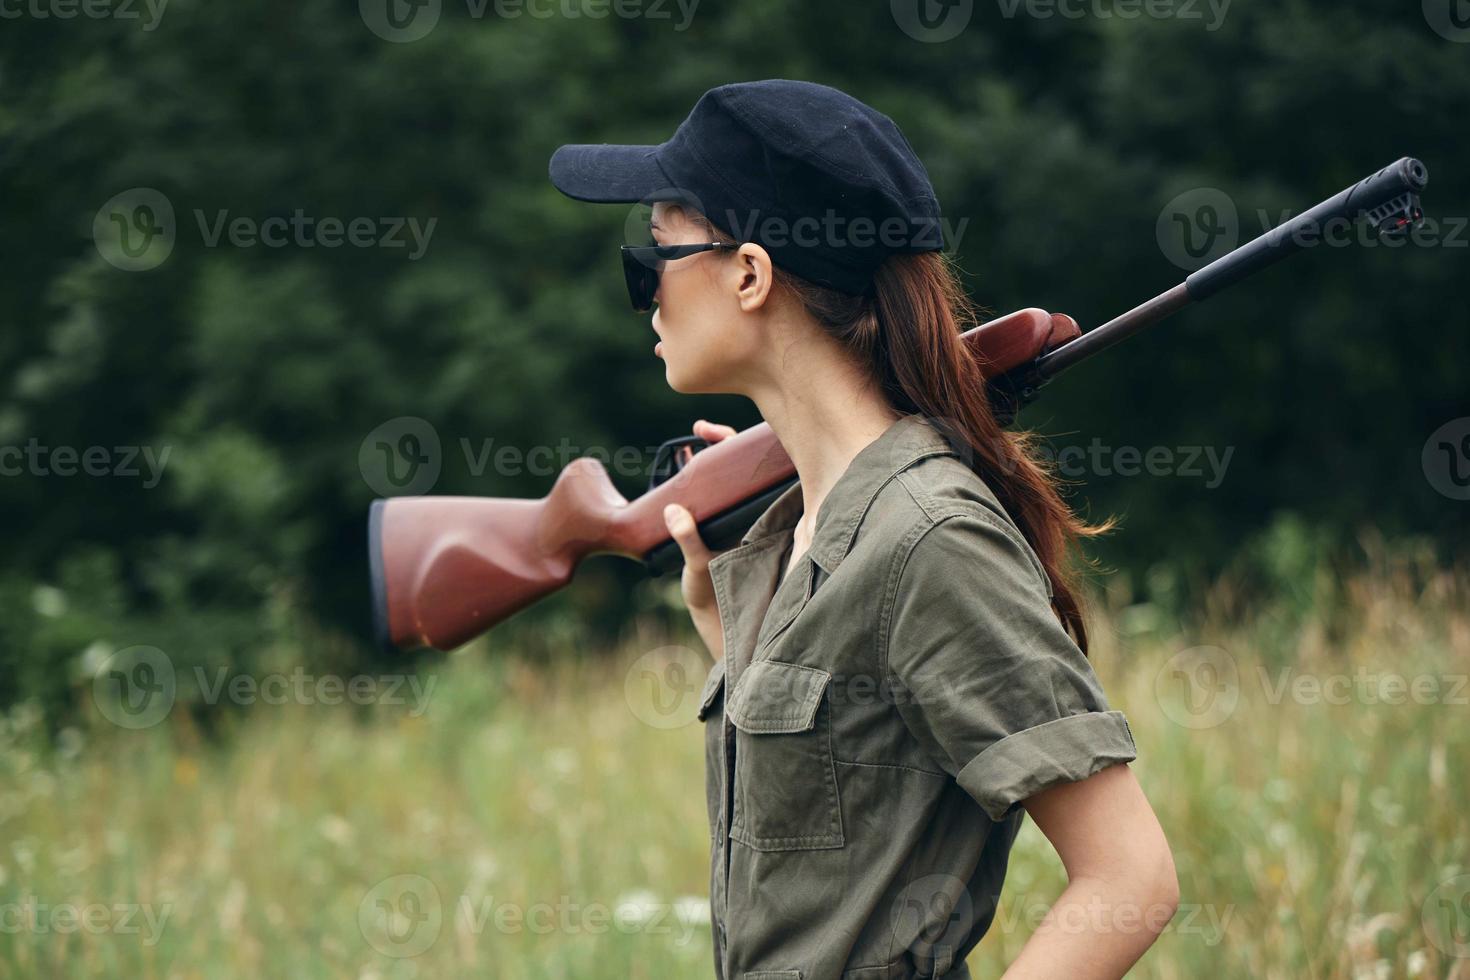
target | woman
x=900, y=654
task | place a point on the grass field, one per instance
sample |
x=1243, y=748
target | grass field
x=1307, y=756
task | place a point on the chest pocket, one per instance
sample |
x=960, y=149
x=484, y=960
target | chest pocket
x=785, y=790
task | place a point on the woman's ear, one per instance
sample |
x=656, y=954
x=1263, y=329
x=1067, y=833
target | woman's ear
x=751, y=269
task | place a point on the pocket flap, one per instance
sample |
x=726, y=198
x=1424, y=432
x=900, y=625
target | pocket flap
x=776, y=697
x=712, y=685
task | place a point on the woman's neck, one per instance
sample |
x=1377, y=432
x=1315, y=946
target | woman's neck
x=824, y=415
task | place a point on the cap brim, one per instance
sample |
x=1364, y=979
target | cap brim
x=608, y=173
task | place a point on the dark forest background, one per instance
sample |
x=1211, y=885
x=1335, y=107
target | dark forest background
x=1059, y=141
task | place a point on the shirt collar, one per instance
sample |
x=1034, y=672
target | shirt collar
x=909, y=439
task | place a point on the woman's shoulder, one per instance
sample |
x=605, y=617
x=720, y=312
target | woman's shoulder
x=944, y=486
x=939, y=493
x=961, y=529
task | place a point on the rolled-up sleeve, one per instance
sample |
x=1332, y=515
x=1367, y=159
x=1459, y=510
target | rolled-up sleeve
x=985, y=676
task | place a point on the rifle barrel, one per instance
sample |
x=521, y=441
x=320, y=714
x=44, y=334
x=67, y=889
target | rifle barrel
x=1115, y=330
x=1389, y=198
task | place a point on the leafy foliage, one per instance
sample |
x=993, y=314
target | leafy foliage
x=1056, y=140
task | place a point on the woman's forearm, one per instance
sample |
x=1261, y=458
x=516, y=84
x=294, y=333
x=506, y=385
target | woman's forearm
x=1097, y=929
x=707, y=625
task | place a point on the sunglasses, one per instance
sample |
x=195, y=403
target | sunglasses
x=643, y=263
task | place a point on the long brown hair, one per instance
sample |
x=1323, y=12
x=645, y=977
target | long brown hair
x=907, y=331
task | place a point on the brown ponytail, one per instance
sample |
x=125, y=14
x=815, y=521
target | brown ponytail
x=908, y=333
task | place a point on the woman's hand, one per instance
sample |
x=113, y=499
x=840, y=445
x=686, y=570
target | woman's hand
x=696, y=585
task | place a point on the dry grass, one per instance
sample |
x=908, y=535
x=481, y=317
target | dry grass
x=1310, y=835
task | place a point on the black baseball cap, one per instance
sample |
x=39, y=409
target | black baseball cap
x=827, y=184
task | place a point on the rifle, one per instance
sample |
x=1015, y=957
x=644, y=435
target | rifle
x=446, y=569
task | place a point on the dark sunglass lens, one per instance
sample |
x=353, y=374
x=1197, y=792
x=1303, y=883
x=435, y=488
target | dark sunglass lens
x=648, y=286
x=642, y=283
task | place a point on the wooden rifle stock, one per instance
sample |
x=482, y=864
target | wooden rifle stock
x=446, y=569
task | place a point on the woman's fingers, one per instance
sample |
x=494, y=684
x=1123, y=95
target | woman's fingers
x=698, y=589
x=686, y=534
x=712, y=431
x=695, y=582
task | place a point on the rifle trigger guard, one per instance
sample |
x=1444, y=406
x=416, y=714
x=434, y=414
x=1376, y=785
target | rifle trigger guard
x=672, y=457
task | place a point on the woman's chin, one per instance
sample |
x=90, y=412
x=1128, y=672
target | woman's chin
x=681, y=382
